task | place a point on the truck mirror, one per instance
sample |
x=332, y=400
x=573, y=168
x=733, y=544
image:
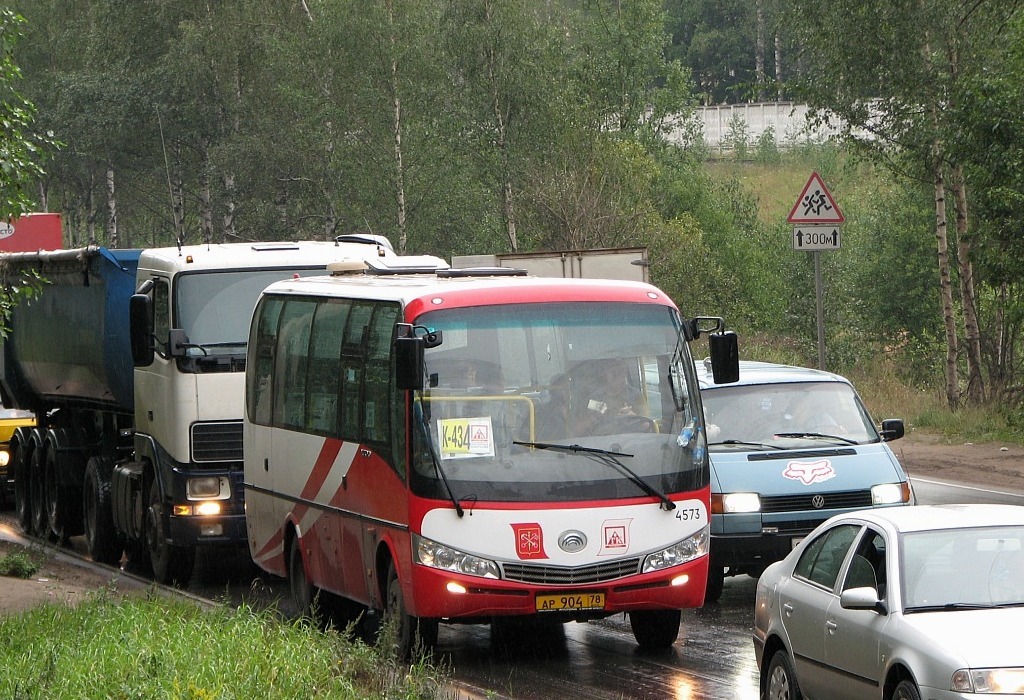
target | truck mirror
x=140, y=329
x=725, y=357
x=409, y=363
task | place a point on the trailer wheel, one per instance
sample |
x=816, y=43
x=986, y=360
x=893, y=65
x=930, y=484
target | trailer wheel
x=97, y=514
x=303, y=593
x=21, y=452
x=61, y=508
x=655, y=629
x=172, y=565
x=40, y=520
x=412, y=635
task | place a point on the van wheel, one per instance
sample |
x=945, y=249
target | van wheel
x=171, y=564
x=716, y=583
x=655, y=629
x=97, y=517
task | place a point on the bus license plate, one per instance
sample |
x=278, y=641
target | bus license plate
x=570, y=601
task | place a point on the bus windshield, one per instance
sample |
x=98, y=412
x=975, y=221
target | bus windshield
x=513, y=389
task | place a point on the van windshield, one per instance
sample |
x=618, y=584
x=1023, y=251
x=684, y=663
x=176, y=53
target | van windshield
x=776, y=415
x=511, y=385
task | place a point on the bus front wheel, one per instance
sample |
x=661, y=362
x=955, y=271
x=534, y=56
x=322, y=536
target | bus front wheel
x=412, y=635
x=655, y=629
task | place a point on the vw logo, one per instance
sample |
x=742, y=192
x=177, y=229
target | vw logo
x=818, y=501
x=572, y=541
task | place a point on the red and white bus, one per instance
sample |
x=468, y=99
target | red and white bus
x=452, y=446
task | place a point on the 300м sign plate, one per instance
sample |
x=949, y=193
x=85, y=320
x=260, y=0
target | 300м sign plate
x=570, y=601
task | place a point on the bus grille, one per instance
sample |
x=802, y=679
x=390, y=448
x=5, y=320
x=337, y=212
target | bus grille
x=840, y=499
x=217, y=442
x=568, y=575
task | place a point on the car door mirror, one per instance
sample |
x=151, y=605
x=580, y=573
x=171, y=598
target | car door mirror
x=865, y=598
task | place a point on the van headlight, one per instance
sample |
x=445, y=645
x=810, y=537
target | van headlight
x=439, y=556
x=679, y=553
x=885, y=494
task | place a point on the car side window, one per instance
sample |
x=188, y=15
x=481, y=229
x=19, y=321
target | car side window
x=823, y=558
x=867, y=568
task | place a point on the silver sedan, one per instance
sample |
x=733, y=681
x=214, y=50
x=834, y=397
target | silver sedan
x=898, y=604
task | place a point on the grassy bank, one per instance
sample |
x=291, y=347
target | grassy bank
x=159, y=648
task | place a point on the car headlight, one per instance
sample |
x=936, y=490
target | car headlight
x=884, y=494
x=679, y=553
x=439, y=556
x=988, y=680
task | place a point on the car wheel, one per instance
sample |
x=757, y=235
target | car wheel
x=781, y=683
x=655, y=629
x=906, y=690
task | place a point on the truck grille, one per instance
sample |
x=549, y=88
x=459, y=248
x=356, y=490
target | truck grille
x=568, y=575
x=217, y=442
x=840, y=499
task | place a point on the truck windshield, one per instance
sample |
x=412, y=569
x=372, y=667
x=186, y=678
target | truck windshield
x=511, y=382
x=779, y=415
x=214, y=308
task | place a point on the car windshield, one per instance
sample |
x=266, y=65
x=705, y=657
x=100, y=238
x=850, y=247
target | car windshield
x=777, y=415
x=556, y=401
x=949, y=569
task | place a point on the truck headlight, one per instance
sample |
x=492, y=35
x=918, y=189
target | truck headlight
x=679, y=553
x=200, y=488
x=439, y=556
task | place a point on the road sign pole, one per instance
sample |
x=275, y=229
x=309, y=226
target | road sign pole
x=819, y=296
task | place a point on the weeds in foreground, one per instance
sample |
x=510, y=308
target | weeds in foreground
x=154, y=647
x=19, y=564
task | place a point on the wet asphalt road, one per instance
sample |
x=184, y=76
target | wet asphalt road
x=713, y=656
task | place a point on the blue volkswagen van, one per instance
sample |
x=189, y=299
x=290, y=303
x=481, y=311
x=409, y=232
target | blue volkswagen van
x=789, y=448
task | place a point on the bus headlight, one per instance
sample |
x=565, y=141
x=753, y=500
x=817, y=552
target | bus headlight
x=439, y=556
x=679, y=553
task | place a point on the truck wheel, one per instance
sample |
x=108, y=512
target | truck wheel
x=655, y=629
x=172, y=565
x=58, y=511
x=412, y=635
x=303, y=593
x=40, y=520
x=97, y=514
x=21, y=451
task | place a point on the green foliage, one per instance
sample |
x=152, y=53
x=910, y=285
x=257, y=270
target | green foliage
x=156, y=647
x=19, y=564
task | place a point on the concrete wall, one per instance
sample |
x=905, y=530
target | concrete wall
x=719, y=124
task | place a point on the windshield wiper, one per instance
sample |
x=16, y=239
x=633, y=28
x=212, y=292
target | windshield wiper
x=946, y=607
x=818, y=436
x=418, y=409
x=605, y=457
x=744, y=443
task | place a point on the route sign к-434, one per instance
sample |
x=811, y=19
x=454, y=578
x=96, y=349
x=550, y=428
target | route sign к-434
x=815, y=205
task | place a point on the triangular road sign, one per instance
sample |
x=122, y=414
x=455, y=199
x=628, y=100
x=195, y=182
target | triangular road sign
x=815, y=205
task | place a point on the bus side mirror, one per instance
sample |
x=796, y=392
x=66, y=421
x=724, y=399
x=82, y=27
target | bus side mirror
x=409, y=363
x=140, y=329
x=725, y=357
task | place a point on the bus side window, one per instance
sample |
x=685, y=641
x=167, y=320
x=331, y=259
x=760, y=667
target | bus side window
x=259, y=392
x=324, y=385
x=353, y=362
x=377, y=390
x=290, y=364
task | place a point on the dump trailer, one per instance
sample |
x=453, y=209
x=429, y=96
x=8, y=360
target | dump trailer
x=133, y=362
x=593, y=263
